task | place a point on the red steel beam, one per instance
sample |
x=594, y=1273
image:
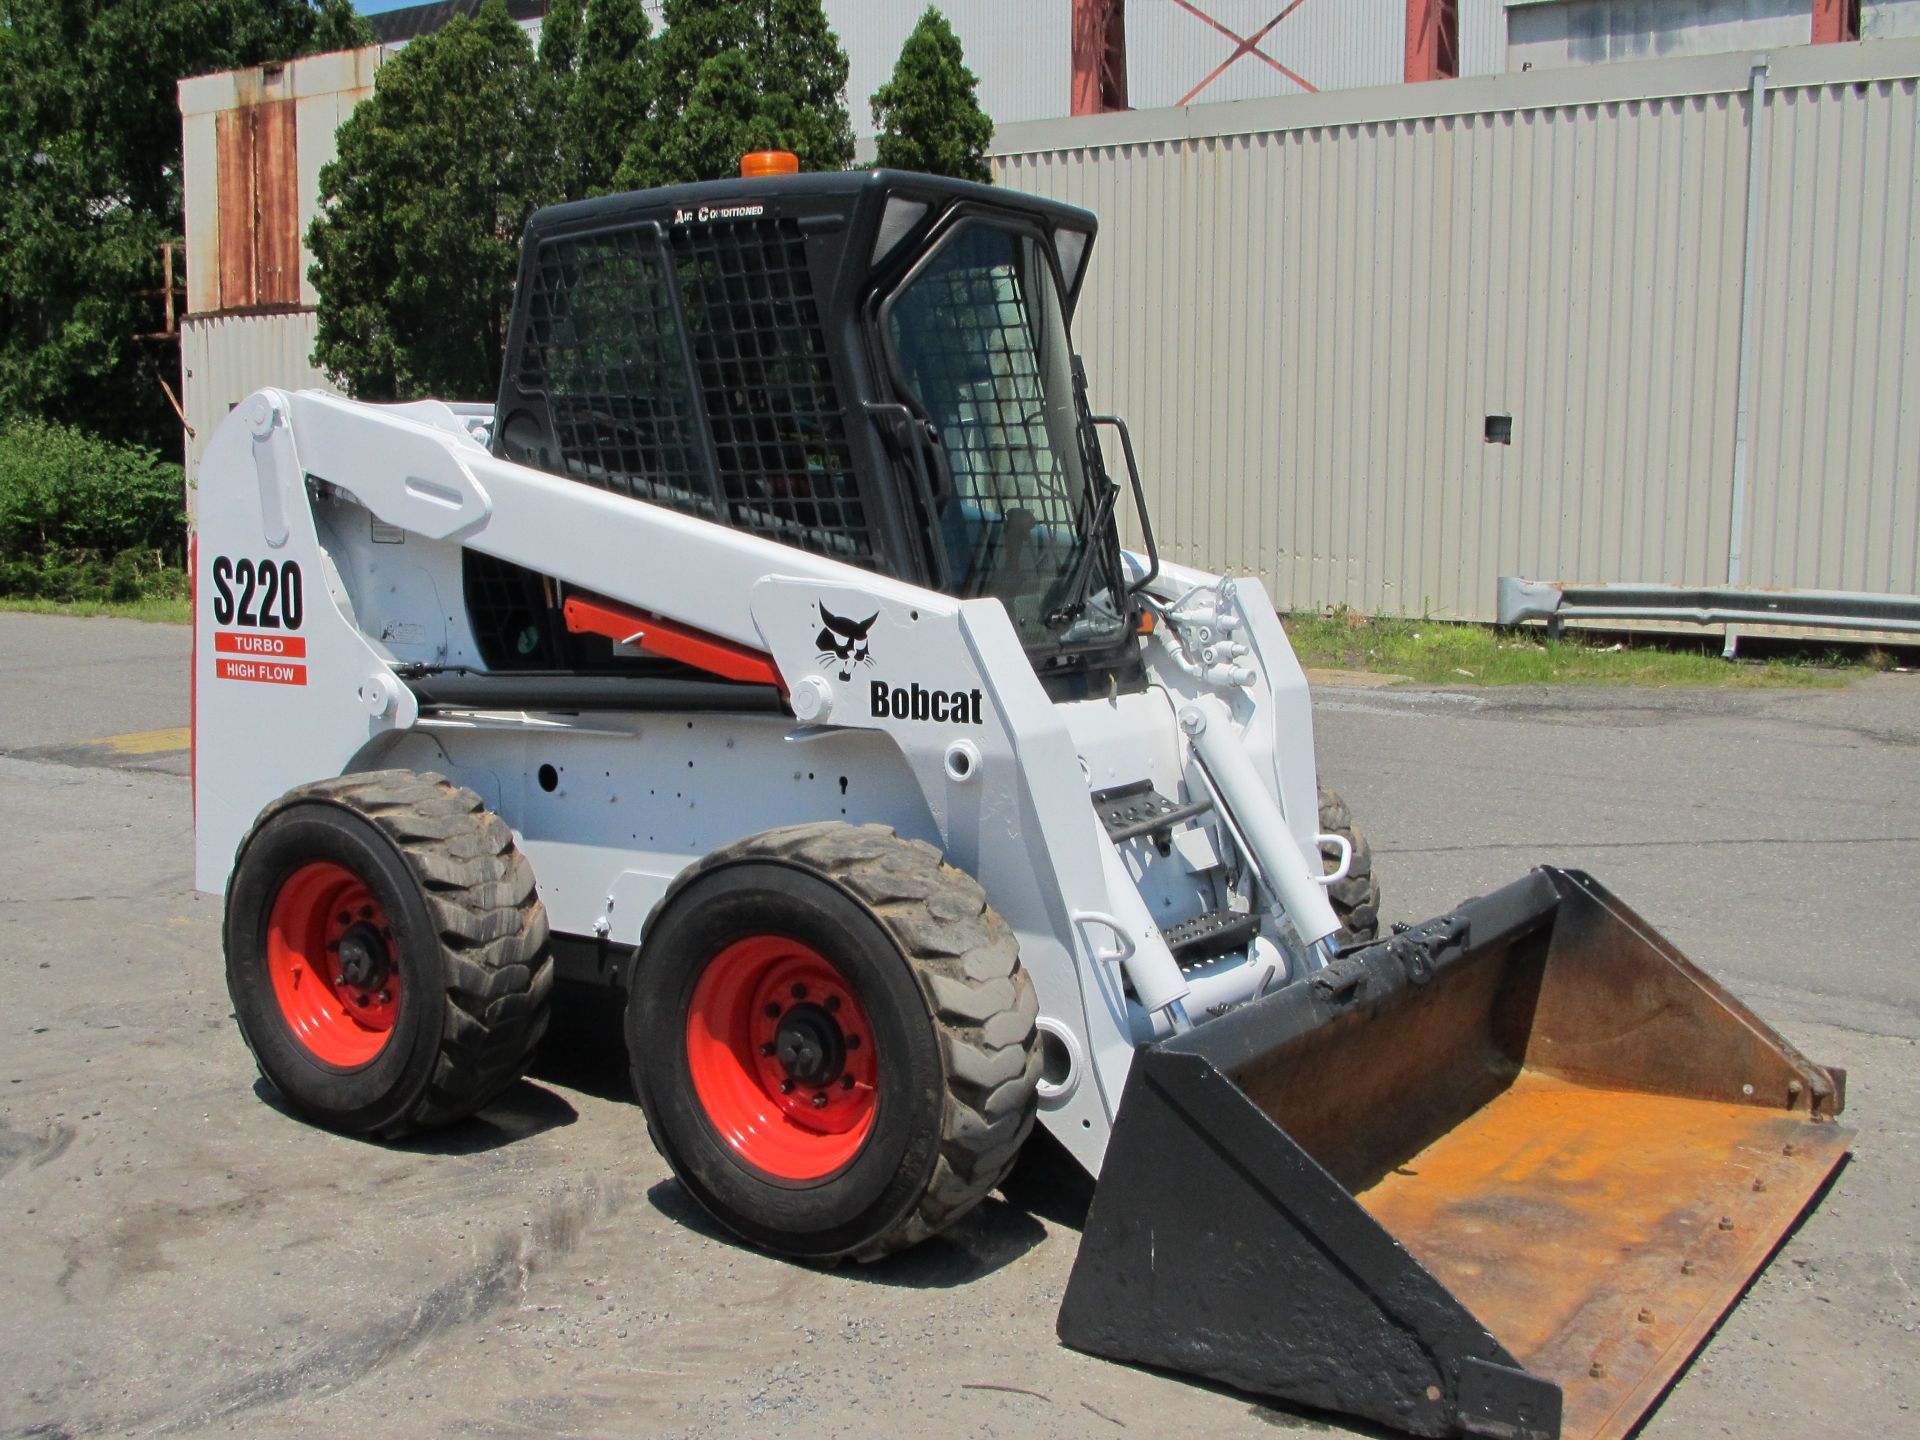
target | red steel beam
x=1835, y=21
x=1430, y=50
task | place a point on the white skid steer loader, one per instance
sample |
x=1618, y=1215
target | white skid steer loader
x=767, y=655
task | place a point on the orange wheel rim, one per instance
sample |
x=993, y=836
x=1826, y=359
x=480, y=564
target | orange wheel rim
x=782, y=1057
x=330, y=955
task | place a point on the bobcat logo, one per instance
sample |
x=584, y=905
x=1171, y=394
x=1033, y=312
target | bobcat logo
x=844, y=641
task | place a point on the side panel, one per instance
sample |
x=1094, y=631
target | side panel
x=286, y=690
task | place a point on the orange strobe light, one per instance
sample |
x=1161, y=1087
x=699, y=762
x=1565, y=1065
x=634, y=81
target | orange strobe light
x=769, y=162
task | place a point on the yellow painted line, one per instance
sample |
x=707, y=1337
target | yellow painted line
x=146, y=742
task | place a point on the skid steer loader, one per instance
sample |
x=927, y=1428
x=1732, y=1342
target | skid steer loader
x=767, y=655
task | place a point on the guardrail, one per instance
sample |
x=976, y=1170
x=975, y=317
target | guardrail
x=1558, y=601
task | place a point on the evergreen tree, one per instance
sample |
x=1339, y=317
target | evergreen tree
x=737, y=75
x=560, y=45
x=90, y=175
x=416, y=248
x=928, y=112
x=611, y=95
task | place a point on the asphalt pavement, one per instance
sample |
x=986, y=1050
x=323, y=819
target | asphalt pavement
x=184, y=1258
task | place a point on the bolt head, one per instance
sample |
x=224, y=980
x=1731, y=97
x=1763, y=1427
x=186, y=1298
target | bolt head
x=1597, y=1370
x=799, y=992
x=819, y=1100
x=772, y=1011
x=1645, y=1316
x=786, y=1087
x=1726, y=1222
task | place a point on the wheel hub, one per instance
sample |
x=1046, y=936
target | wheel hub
x=810, y=1046
x=365, y=960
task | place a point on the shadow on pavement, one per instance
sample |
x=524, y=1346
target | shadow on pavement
x=520, y=1111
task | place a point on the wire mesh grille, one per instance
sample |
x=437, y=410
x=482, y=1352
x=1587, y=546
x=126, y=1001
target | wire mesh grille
x=969, y=337
x=755, y=436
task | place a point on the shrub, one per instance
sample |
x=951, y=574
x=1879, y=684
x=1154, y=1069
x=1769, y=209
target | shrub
x=82, y=518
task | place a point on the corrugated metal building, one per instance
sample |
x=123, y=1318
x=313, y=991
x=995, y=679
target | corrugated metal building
x=1321, y=312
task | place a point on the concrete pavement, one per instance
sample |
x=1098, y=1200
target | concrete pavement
x=187, y=1259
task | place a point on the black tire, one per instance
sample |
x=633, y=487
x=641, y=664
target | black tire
x=936, y=971
x=466, y=939
x=1356, y=899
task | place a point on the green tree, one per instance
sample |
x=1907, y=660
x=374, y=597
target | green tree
x=611, y=96
x=417, y=241
x=90, y=171
x=560, y=44
x=928, y=111
x=731, y=76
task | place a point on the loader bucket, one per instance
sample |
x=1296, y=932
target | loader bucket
x=1499, y=1175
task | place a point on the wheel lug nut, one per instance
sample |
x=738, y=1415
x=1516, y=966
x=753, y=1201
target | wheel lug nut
x=786, y=1087
x=846, y=1082
x=853, y=1042
x=773, y=1011
x=819, y=1099
x=799, y=992
x=386, y=997
x=768, y=1048
x=346, y=917
x=366, y=912
x=832, y=1003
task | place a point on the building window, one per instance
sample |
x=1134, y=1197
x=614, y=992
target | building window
x=1433, y=39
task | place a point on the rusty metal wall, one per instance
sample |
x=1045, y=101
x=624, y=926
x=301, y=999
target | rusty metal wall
x=1309, y=308
x=253, y=143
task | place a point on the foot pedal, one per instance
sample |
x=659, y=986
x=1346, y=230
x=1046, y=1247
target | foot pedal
x=1130, y=811
x=1211, y=934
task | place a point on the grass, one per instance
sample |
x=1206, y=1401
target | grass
x=159, y=611
x=1445, y=653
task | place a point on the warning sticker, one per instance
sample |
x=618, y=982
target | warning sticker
x=271, y=672
x=234, y=642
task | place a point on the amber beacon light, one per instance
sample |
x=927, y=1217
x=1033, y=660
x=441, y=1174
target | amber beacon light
x=769, y=162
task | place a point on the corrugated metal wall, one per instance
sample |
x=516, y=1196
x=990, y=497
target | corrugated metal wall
x=225, y=358
x=1309, y=307
x=1836, y=399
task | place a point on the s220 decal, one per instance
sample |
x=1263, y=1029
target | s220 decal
x=265, y=594
x=261, y=595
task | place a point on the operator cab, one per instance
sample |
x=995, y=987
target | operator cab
x=870, y=365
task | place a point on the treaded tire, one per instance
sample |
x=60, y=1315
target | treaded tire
x=937, y=972
x=468, y=948
x=1356, y=899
